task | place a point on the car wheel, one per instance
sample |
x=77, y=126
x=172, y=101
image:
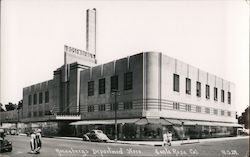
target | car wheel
x=85, y=138
x=9, y=150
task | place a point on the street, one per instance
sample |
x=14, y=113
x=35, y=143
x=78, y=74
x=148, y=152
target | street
x=65, y=147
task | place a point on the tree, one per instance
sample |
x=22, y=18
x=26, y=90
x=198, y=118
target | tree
x=10, y=106
x=1, y=107
x=20, y=104
x=244, y=118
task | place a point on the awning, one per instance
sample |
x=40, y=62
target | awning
x=209, y=123
x=173, y=121
x=67, y=117
x=89, y=122
x=141, y=121
x=123, y=121
x=227, y=124
x=144, y=121
x=163, y=121
x=190, y=122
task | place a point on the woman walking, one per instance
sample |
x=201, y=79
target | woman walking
x=33, y=144
x=35, y=141
x=38, y=140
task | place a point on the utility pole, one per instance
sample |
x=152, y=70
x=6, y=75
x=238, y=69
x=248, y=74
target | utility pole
x=0, y=115
x=115, y=92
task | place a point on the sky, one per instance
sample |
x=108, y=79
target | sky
x=210, y=34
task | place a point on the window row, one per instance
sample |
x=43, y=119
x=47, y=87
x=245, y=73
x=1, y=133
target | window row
x=128, y=84
x=37, y=113
x=113, y=107
x=176, y=106
x=38, y=97
x=176, y=85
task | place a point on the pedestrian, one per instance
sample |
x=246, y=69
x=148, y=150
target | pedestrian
x=38, y=141
x=32, y=142
x=164, y=138
x=169, y=138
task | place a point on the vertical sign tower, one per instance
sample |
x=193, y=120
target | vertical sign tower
x=70, y=74
x=91, y=31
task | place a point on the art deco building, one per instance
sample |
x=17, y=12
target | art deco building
x=145, y=94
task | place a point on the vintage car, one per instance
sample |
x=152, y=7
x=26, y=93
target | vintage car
x=95, y=136
x=5, y=145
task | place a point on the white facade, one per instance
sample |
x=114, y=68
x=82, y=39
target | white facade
x=158, y=86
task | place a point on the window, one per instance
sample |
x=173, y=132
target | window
x=40, y=98
x=222, y=95
x=222, y=112
x=229, y=113
x=112, y=107
x=91, y=108
x=207, y=110
x=188, y=108
x=188, y=86
x=29, y=114
x=40, y=113
x=176, y=106
x=229, y=97
x=176, y=82
x=29, y=101
x=34, y=99
x=114, y=83
x=198, y=109
x=101, y=107
x=102, y=86
x=215, y=111
x=91, y=88
x=128, y=106
x=48, y=112
x=207, y=91
x=35, y=114
x=128, y=81
x=46, y=96
x=198, y=89
x=215, y=94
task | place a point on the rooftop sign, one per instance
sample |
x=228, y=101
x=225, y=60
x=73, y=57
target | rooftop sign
x=75, y=51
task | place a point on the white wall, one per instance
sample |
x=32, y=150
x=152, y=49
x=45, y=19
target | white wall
x=168, y=96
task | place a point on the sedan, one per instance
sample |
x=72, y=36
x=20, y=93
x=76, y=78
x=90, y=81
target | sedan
x=95, y=136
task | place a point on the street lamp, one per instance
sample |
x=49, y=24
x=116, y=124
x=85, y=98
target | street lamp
x=182, y=124
x=115, y=92
x=0, y=115
x=198, y=132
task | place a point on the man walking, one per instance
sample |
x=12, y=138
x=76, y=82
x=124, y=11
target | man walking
x=164, y=138
x=169, y=138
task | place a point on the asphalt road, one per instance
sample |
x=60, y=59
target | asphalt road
x=64, y=147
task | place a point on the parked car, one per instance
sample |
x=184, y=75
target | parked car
x=242, y=132
x=13, y=132
x=95, y=136
x=5, y=145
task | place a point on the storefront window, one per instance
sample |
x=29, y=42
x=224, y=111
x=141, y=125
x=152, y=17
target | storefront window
x=152, y=131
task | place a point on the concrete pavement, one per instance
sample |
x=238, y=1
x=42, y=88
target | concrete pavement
x=64, y=146
x=160, y=143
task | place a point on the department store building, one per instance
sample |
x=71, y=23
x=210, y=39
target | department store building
x=146, y=94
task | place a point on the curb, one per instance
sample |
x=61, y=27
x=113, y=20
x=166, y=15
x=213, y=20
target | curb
x=174, y=143
x=189, y=143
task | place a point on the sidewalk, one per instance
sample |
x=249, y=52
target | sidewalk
x=159, y=143
x=180, y=142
